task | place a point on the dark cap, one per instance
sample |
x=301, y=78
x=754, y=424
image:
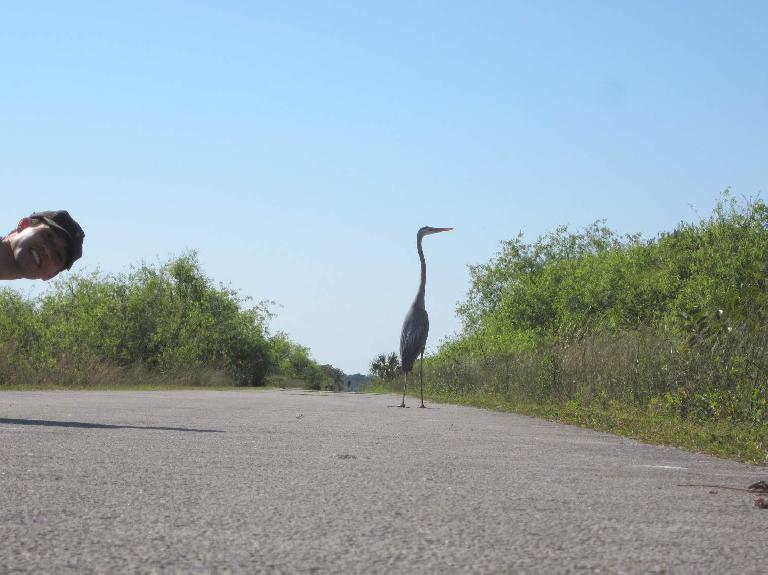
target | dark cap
x=69, y=229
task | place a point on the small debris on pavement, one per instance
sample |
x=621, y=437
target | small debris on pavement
x=759, y=487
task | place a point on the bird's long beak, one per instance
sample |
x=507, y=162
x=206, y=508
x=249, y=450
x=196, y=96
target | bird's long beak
x=427, y=230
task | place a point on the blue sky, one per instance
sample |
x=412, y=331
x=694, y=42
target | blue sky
x=298, y=146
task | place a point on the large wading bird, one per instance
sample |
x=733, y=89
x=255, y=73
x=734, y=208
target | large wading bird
x=413, y=338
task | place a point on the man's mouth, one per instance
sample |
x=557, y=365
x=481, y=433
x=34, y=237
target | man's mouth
x=35, y=256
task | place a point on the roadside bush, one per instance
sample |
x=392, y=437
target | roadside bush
x=170, y=321
x=674, y=324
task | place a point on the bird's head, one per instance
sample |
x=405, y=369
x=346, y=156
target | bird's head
x=428, y=230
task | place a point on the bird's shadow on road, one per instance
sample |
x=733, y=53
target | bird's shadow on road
x=85, y=425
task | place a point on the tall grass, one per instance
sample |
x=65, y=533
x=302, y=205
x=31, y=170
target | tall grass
x=717, y=378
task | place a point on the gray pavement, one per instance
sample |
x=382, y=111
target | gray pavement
x=298, y=482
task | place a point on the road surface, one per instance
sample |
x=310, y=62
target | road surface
x=299, y=482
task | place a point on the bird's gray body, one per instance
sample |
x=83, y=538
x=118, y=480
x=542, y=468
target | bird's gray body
x=413, y=338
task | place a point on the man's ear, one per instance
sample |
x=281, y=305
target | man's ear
x=23, y=223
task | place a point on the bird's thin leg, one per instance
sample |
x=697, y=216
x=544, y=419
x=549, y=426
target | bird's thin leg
x=421, y=378
x=404, y=387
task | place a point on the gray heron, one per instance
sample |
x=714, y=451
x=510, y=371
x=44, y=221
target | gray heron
x=413, y=338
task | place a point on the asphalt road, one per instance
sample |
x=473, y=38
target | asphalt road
x=295, y=482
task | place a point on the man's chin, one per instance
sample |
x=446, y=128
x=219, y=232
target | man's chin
x=31, y=270
x=33, y=273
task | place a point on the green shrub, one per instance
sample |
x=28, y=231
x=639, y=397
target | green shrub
x=676, y=324
x=167, y=324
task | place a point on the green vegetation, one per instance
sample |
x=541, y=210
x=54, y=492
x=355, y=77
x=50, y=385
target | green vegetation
x=385, y=366
x=665, y=340
x=162, y=326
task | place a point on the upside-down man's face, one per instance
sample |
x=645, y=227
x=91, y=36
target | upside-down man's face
x=39, y=251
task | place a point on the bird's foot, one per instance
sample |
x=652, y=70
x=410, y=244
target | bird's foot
x=401, y=405
x=422, y=405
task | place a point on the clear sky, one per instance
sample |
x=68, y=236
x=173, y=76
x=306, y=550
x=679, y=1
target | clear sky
x=298, y=146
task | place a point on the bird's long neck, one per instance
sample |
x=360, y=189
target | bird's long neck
x=423, y=282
